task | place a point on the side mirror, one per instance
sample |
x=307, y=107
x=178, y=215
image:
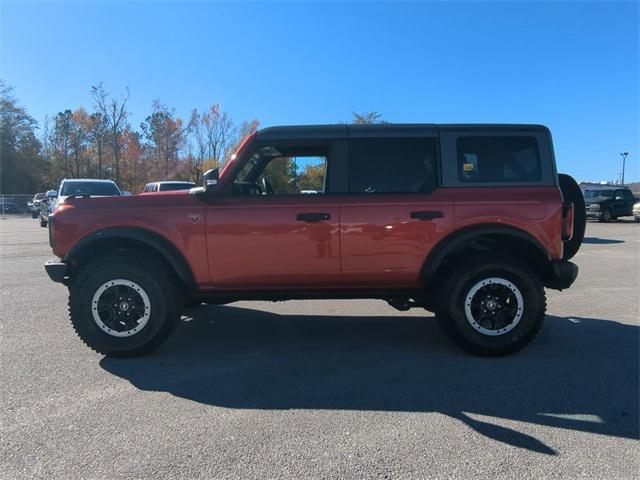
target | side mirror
x=619, y=198
x=209, y=183
x=210, y=180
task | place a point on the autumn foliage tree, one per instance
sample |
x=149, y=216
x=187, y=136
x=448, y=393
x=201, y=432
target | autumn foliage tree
x=166, y=135
x=101, y=143
x=21, y=165
x=367, y=118
x=114, y=111
x=61, y=142
x=214, y=134
x=98, y=136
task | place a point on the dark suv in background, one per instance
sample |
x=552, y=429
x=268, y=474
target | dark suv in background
x=608, y=202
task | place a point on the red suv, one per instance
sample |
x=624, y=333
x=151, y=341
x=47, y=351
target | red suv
x=468, y=221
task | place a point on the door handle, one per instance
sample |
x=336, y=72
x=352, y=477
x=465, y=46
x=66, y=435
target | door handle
x=313, y=217
x=427, y=215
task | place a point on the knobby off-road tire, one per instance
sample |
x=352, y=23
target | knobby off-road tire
x=104, y=291
x=520, y=297
x=571, y=193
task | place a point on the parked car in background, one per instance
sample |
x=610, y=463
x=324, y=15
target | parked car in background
x=33, y=206
x=47, y=204
x=77, y=187
x=636, y=211
x=608, y=202
x=167, y=185
x=8, y=205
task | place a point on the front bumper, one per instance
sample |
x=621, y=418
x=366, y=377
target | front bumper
x=562, y=275
x=57, y=270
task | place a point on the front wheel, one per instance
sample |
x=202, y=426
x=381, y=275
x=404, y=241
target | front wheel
x=492, y=306
x=122, y=305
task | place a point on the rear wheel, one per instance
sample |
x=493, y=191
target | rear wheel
x=605, y=215
x=492, y=306
x=122, y=305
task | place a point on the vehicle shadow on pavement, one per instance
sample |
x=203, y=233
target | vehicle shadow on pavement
x=579, y=373
x=600, y=241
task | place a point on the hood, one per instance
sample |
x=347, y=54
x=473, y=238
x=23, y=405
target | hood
x=157, y=200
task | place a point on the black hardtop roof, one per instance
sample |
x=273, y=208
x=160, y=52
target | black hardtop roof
x=395, y=129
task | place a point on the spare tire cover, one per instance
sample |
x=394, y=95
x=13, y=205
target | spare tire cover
x=571, y=193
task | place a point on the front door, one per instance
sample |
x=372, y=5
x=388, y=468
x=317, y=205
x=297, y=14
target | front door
x=276, y=227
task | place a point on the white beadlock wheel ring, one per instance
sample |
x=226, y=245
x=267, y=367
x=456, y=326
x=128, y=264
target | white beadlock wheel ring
x=473, y=321
x=141, y=322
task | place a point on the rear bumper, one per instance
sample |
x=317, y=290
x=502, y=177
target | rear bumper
x=56, y=270
x=563, y=274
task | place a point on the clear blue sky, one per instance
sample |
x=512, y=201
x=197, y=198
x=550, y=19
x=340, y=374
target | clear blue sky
x=572, y=66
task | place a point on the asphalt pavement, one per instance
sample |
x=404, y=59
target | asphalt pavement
x=322, y=389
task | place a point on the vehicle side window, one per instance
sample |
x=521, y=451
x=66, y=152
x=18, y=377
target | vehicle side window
x=279, y=170
x=392, y=165
x=498, y=159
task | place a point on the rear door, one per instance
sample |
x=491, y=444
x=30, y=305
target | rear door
x=395, y=211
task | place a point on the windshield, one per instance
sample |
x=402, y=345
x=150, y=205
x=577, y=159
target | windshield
x=591, y=194
x=231, y=160
x=176, y=186
x=89, y=188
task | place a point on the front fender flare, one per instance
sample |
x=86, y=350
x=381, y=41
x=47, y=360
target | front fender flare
x=141, y=235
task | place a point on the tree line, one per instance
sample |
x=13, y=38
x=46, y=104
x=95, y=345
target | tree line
x=100, y=142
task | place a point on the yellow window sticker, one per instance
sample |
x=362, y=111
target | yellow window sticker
x=467, y=167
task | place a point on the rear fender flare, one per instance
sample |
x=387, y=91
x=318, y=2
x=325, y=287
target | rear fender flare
x=456, y=240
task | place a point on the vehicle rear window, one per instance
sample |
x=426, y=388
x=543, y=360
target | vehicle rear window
x=489, y=159
x=392, y=165
x=595, y=194
x=89, y=188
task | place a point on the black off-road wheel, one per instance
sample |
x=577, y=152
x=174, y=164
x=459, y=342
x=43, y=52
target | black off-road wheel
x=491, y=306
x=43, y=223
x=123, y=305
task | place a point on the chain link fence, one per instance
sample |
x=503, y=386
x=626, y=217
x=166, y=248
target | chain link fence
x=15, y=203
